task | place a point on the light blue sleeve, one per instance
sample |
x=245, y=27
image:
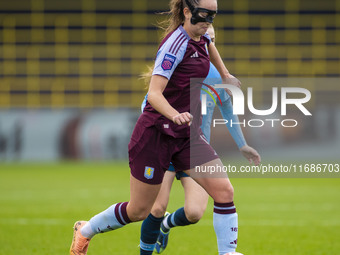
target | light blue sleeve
x=211, y=79
x=170, y=54
x=144, y=102
x=206, y=120
x=226, y=110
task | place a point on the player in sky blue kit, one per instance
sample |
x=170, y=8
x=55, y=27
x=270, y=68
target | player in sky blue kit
x=196, y=198
x=168, y=130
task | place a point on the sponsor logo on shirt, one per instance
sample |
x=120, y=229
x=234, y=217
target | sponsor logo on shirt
x=168, y=62
x=149, y=172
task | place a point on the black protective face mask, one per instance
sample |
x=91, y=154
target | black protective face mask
x=201, y=14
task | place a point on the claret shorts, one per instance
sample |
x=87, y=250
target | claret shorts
x=150, y=153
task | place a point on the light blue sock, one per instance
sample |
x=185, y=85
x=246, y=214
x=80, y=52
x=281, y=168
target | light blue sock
x=226, y=227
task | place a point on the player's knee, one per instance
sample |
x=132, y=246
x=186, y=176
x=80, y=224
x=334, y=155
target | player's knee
x=139, y=214
x=229, y=193
x=195, y=214
x=225, y=195
x=158, y=210
x=142, y=216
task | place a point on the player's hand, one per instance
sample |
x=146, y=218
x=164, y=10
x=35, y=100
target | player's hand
x=183, y=118
x=251, y=154
x=232, y=80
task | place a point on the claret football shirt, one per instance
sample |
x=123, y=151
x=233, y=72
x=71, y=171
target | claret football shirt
x=179, y=59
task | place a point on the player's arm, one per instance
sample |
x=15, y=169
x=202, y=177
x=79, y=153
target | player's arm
x=236, y=132
x=166, y=62
x=226, y=110
x=207, y=118
x=160, y=104
x=216, y=59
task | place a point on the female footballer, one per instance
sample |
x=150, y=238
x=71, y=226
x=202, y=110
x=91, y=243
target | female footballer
x=167, y=132
x=196, y=198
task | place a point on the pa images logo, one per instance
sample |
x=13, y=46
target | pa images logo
x=149, y=172
x=168, y=62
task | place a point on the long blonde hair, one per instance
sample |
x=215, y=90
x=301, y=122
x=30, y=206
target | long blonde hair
x=175, y=19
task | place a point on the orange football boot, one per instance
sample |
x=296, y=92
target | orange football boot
x=80, y=243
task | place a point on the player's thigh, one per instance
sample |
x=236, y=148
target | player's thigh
x=162, y=200
x=196, y=199
x=217, y=185
x=193, y=152
x=142, y=198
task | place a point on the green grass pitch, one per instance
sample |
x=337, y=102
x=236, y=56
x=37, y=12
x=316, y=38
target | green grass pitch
x=40, y=202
